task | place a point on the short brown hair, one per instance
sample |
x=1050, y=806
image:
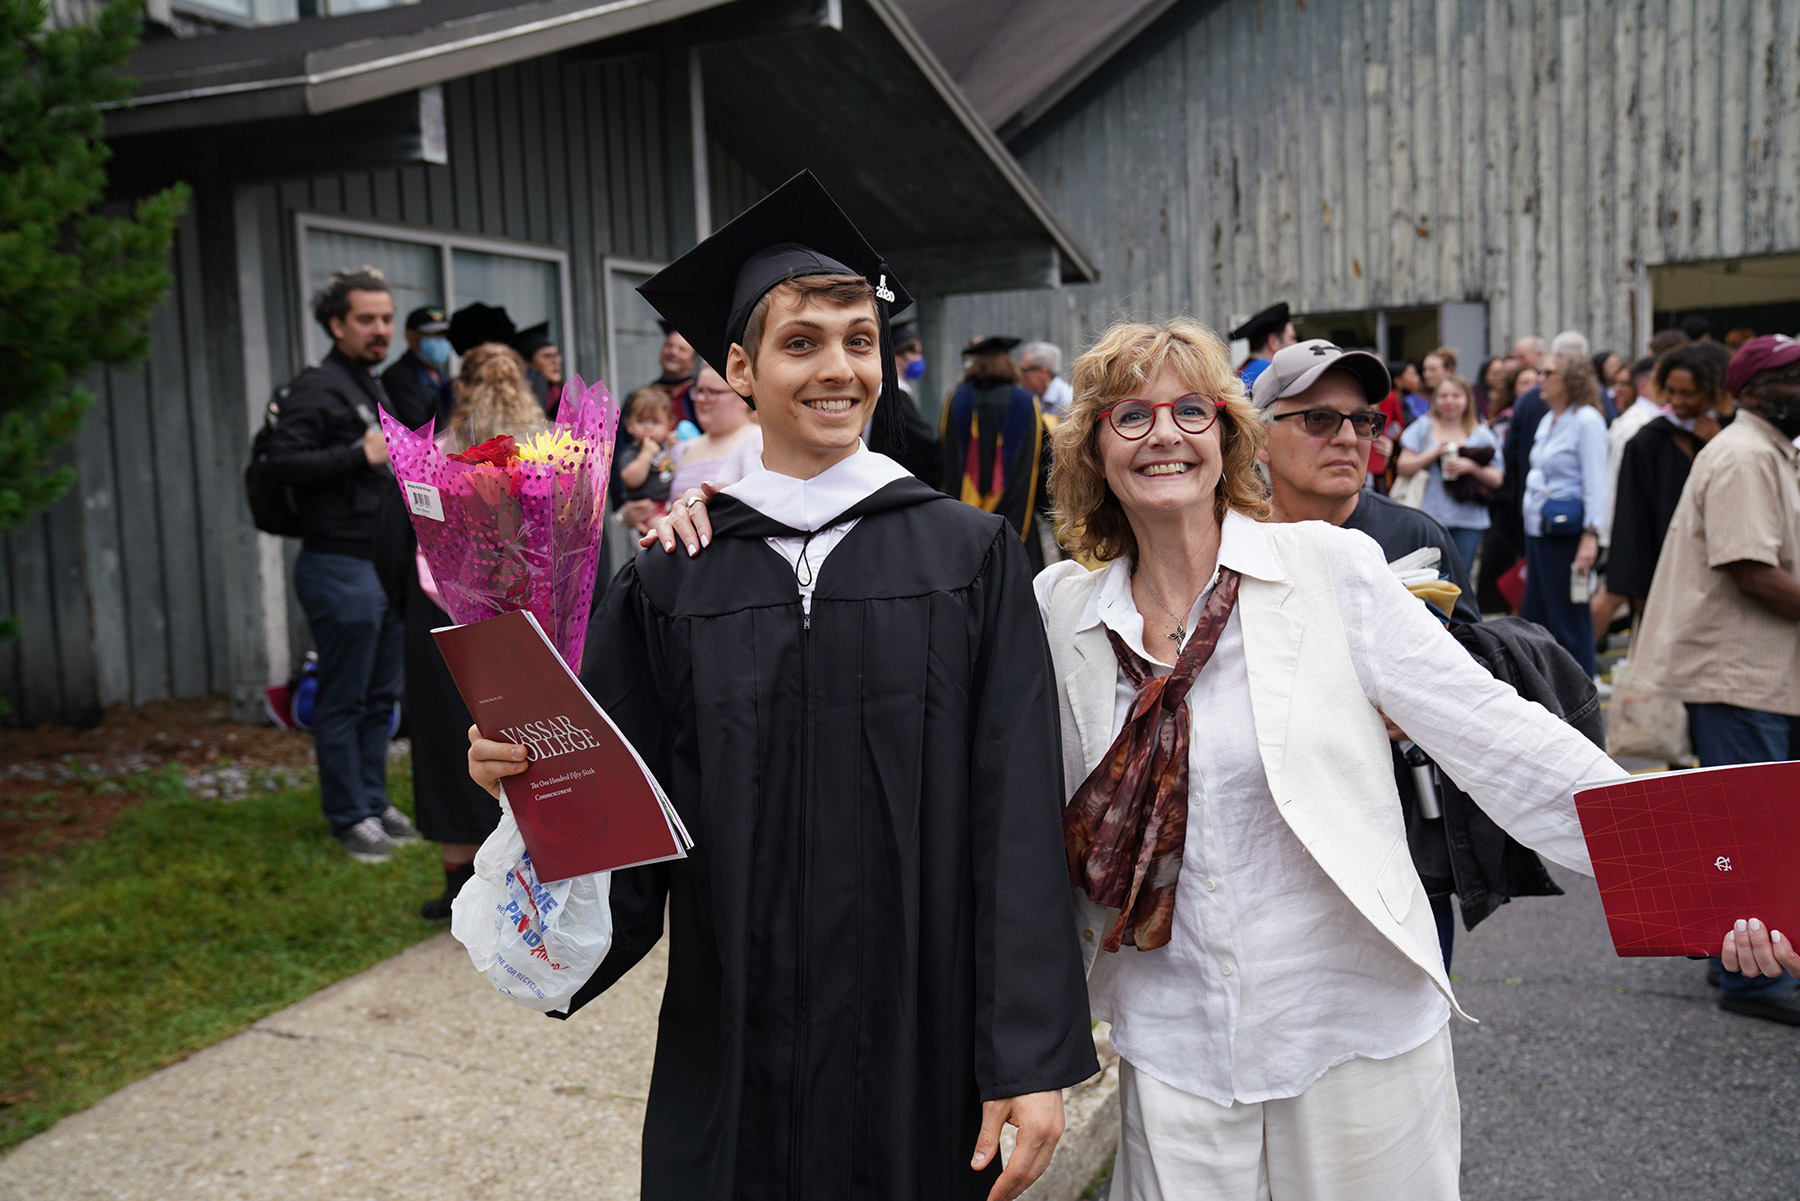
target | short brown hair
x=1580, y=385
x=838, y=291
x=332, y=302
x=992, y=367
x=647, y=404
x=1127, y=357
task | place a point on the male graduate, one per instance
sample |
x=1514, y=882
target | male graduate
x=847, y=696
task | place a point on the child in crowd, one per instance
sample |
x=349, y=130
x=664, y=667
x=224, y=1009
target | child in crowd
x=646, y=464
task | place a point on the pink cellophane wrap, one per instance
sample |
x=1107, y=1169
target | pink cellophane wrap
x=525, y=536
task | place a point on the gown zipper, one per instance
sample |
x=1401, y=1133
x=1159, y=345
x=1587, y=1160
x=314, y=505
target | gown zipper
x=800, y=990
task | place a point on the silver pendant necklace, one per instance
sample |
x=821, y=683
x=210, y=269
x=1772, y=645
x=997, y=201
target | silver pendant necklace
x=1180, y=634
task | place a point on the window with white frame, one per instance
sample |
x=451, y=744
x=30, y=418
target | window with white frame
x=634, y=334
x=424, y=267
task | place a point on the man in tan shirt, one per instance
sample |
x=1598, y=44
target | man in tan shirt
x=1721, y=627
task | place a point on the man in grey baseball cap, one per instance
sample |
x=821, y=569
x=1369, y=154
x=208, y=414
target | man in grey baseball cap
x=1318, y=401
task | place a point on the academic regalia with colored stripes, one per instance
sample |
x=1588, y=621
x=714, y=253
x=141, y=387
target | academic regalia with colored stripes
x=993, y=438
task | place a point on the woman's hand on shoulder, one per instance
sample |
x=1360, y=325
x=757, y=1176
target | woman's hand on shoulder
x=491, y=762
x=685, y=522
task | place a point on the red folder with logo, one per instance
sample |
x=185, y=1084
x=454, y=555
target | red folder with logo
x=1681, y=855
x=585, y=802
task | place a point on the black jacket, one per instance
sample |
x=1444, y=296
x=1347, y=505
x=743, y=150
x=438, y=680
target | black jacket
x=1399, y=530
x=1509, y=508
x=411, y=401
x=1652, y=473
x=1491, y=868
x=317, y=448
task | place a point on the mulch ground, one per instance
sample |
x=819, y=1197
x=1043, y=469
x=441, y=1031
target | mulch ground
x=59, y=784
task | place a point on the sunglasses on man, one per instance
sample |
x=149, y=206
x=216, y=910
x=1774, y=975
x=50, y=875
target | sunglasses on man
x=1325, y=423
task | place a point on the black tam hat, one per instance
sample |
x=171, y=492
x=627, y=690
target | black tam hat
x=989, y=345
x=474, y=324
x=798, y=229
x=1271, y=320
x=529, y=341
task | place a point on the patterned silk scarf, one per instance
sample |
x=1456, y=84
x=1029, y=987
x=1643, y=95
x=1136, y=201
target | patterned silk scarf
x=1124, y=830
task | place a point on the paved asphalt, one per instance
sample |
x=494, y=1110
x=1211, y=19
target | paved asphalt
x=1595, y=1078
x=1598, y=1077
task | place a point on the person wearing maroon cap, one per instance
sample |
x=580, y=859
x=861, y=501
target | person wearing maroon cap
x=1721, y=626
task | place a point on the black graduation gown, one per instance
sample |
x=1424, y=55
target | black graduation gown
x=873, y=933
x=448, y=806
x=1652, y=472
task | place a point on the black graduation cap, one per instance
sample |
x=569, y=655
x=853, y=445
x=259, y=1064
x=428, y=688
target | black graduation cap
x=1271, y=320
x=474, y=324
x=798, y=229
x=529, y=341
x=989, y=345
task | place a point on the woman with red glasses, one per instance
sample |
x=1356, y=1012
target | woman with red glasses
x=1253, y=924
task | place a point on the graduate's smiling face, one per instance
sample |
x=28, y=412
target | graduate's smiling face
x=1165, y=467
x=815, y=378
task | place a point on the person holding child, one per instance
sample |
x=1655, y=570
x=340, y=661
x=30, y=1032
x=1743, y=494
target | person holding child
x=644, y=461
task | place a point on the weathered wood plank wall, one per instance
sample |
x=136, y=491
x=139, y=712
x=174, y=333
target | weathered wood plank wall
x=1354, y=154
x=130, y=589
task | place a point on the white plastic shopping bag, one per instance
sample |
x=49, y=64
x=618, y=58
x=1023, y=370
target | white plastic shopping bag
x=538, y=943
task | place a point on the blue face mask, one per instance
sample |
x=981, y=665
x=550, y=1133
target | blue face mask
x=915, y=370
x=435, y=350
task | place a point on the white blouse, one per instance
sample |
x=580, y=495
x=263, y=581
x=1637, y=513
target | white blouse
x=1270, y=976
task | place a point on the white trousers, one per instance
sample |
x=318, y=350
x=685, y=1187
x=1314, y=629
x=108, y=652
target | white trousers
x=1367, y=1130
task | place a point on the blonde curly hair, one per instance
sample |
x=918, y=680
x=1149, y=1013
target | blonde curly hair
x=1127, y=357
x=494, y=397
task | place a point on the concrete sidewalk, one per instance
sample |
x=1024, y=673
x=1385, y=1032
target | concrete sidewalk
x=412, y=1080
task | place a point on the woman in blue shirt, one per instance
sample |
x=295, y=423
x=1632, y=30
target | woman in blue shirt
x=1438, y=444
x=1565, y=493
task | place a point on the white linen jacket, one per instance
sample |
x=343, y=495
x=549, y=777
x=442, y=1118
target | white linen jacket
x=1324, y=746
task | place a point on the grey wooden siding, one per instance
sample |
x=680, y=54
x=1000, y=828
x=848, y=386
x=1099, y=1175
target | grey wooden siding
x=1352, y=154
x=144, y=583
x=568, y=156
x=730, y=187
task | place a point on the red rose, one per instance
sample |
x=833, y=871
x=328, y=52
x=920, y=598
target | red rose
x=499, y=451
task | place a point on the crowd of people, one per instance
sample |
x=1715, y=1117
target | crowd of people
x=1296, y=871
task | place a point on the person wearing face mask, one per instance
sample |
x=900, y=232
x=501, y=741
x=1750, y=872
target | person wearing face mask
x=418, y=384
x=919, y=451
x=1654, y=465
x=1721, y=629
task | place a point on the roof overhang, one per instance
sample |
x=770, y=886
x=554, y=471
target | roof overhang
x=951, y=207
x=844, y=87
x=325, y=64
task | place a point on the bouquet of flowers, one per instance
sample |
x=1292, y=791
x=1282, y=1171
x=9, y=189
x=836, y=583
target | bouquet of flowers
x=515, y=523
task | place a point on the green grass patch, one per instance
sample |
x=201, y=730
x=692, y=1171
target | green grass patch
x=189, y=921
